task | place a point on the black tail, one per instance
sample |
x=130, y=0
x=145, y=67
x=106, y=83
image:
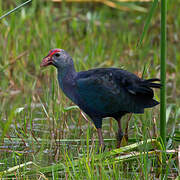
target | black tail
x=150, y=83
x=151, y=103
x=145, y=94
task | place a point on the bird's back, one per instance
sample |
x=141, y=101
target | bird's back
x=109, y=91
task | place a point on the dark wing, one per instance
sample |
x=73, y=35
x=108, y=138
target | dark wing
x=110, y=90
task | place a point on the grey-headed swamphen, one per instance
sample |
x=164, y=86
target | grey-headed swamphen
x=102, y=92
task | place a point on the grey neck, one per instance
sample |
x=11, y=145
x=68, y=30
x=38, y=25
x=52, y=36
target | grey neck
x=66, y=78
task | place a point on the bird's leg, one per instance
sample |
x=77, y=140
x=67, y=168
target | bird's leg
x=119, y=133
x=126, y=129
x=101, y=140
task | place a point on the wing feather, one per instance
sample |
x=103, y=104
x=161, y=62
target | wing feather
x=111, y=90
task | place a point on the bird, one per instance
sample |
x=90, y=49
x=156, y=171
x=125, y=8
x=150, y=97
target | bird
x=102, y=92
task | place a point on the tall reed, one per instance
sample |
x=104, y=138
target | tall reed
x=163, y=72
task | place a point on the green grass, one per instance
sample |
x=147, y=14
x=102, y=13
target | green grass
x=41, y=127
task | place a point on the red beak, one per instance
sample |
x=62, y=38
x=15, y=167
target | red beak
x=46, y=61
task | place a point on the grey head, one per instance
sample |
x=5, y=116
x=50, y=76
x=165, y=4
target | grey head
x=58, y=58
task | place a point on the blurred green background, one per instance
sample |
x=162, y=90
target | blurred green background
x=32, y=107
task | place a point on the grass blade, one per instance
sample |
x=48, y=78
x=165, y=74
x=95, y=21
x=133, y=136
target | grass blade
x=147, y=23
x=15, y=9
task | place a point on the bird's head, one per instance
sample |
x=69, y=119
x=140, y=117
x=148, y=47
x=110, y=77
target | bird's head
x=58, y=58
